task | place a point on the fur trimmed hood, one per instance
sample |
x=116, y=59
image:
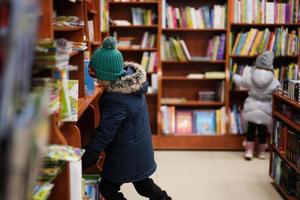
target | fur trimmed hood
x=130, y=82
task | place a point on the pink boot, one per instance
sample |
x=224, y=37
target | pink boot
x=249, y=147
x=262, y=151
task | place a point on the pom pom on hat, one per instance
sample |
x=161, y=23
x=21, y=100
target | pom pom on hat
x=109, y=43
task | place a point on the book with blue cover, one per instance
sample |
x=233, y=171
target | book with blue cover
x=204, y=122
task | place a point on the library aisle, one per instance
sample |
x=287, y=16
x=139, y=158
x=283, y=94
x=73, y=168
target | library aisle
x=210, y=175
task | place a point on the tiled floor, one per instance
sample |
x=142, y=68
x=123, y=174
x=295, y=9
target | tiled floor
x=199, y=175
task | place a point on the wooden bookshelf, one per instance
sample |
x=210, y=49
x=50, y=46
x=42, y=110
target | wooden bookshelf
x=72, y=133
x=246, y=25
x=192, y=30
x=67, y=28
x=195, y=61
x=137, y=49
x=279, y=99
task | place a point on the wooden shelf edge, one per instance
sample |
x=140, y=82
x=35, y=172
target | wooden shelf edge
x=64, y=29
x=264, y=24
x=286, y=100
x=193, y=30
x=199, y=61
x=184, y=78
x=139, y=49
x=194, y=103
x=94, y=12
x=284, y=159
x=85, y=103
x=132, y=2
x=276, y=57
x=222, y=142
x=134, y=26
x=287, y=120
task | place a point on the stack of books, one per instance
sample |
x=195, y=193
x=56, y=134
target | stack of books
x=194, y=18
x=148, y=40
x=282, y=42
x=262, y=11
x=68, y=21
x=216, y=47
x=279, y=136
x=141, y=16
x=291, y=89
x=287, y=72
x=236, y=124
x=193, y=122
x=150, y=62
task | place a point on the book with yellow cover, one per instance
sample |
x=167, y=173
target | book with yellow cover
x=237, y=40
x=256, y=43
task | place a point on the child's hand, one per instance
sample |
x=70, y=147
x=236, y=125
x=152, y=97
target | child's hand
x=89, y=158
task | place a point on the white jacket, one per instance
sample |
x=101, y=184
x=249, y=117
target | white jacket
x=258, y=105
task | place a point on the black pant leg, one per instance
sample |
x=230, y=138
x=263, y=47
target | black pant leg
x=251, y=131
x=262, y=134
x=110, y=191
x=147, y=188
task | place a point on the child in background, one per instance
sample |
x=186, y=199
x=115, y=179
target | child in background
x=257, y=111
x=124, y=131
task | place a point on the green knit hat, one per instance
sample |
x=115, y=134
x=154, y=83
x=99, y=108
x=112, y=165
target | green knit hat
x=107, y=61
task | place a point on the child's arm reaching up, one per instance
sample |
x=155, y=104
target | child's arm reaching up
x=238, y=80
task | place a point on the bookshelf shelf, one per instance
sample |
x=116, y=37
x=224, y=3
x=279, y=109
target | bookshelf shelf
x=287, y=120
x=135, y=49
x=65, y=29
x=198, y=61
x=96, y=43
x=135, y=26
x=184, y=78
x=194, y=103
x=94, y=12
x=287, y=100
x=192, y=30
x=253, y=57
x=243, y=25
x=74, y=53
x=198, y=142
x=84, y=103
x=132, y=2
x=275, y=150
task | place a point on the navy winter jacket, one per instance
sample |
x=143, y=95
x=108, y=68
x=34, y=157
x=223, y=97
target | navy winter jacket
x=124, y=131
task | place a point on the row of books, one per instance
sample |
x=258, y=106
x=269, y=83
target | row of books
x=192, y=17
x=285, y=177
x=291, y=89
x=236, y=124
x=141, y=16
x=282, y=42
x=287, y=142
x=148, y=40
x=176, y=49
x=67, y=21
x=198, y=122
x=216, y=47
x=150, y=61
x=263, y=11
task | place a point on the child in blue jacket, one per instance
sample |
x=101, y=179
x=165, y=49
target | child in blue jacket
x=124, y=131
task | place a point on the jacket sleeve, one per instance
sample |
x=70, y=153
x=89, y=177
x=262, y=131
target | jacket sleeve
x=112, y=114
x=238, y=80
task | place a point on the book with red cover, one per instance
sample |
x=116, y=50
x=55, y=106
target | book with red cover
x=184, y=122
